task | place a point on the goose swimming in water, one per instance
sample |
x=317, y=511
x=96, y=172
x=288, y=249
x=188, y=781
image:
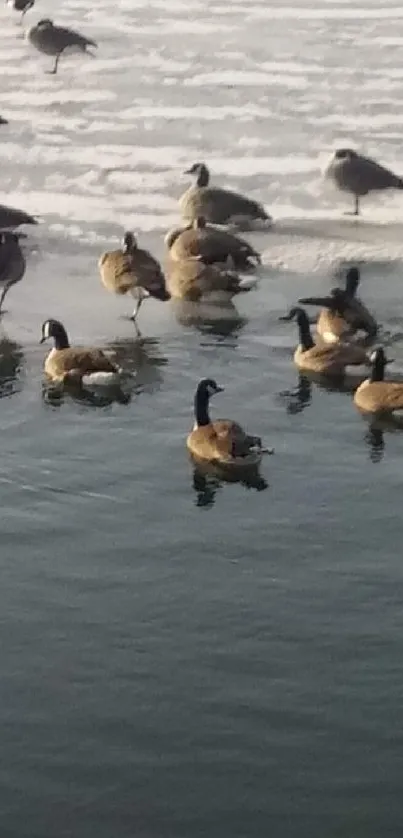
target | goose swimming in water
x=343, y=313
x=54, y=40
x=359, y=175
x=375, y=395
x=85, y=366
x=223, y=441
x=133, y=270
x=220, y=206
x=331, y=359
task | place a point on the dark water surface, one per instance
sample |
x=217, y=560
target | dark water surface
x=183, y=657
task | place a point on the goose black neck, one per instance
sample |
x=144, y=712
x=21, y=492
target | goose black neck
x=129, y=244
x=60, y=337
x=378, y=370
x=201, y=407
x=203, y=177
x=305, y=336
x=352, y=282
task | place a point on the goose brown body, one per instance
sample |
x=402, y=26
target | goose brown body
x=133, y=269
x=330, y=359
x=65, y=363
x=192, y=280
x=221, y=441
x=375, y=395
x=217, y=205
x=343, y=314
x=200, y=240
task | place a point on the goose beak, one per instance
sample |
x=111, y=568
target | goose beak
x=389, y=361
x=285, y=318
x=42, y=340
x=219, y=389
x=317, y=301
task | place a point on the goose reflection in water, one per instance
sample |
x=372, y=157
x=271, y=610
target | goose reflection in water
x=142, y=358
x=375, y=434
x=297, y=400
x=209, y=478
x=11, y=365
x=55, y=395
x=222, y=321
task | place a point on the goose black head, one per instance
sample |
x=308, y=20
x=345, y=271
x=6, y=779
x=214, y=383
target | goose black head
x=200, y=172
x=379, y=361
x=209, y=387
x=295, y=313
x=45, y=23
x=129, y=242
x=345, y=154
x=299, y=314
x=54, y=329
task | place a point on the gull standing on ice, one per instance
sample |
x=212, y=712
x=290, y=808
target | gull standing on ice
x=54, y=40
x=359, y=175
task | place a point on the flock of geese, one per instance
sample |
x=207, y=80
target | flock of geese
x=204, y=259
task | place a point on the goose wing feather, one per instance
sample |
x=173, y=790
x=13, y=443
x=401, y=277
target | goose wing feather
x=380, y=396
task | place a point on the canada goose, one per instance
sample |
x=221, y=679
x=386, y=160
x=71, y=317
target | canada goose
x=331, y=359
x=343, y=314
x=11, y=218
x=192, y=280
x=359, y=175
x=210, y=245
x=375, y=395
x=76, y=365
x=3, y=121
x=135, y=270
x=53, y=40
x=220, y=206
x=12, y=262
x=222, y=441
x=22, y=6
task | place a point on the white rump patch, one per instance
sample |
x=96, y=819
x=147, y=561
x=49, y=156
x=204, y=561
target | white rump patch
x=101, y=379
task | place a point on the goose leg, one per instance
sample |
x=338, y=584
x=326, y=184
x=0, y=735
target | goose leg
x=55, y=66
x=356, y=210
x=137, y=308
x=3, y=294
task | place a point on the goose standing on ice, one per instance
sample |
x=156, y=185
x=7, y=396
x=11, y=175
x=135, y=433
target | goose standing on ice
x=220, y=206
x=86, y=366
